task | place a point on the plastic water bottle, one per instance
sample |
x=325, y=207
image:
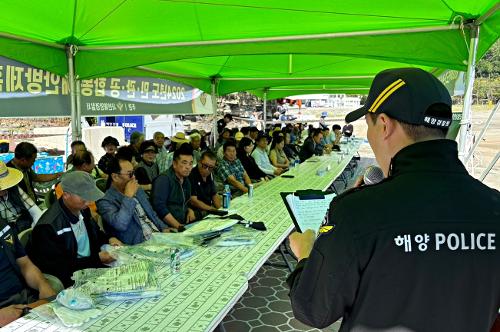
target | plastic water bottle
x=321, y=171
x=250, y=190
x=226, y=197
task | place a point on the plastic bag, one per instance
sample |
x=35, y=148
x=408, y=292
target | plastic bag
x=74, y=318
x=74, y=299
x=130, y=281
x=55, y=313
x=119, y=254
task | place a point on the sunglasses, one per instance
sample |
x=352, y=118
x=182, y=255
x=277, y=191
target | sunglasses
x=207, y=167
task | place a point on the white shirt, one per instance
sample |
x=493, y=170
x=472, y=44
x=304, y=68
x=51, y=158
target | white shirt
x=262, y=160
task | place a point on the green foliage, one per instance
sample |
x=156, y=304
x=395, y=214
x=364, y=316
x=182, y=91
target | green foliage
x=487, y=89
x=489, y=65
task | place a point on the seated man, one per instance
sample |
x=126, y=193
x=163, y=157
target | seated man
x=244, y=154
x=223, y=138
x=76, y=146
x=16, y=208
x=21, y=282
x=204, y=196
x=336, y=136
x=221, y=124
x=262, y=158
x=348, y=129
x=66, y=238
x=253, y=133
x=196, y=145
x=161, y=156
x=136, y=139
x=24, y=158
x=231, y=171
x=125, y=208
x=327, y=137
x=172, y=191
x=176, y=142
x=147, y=170
x=311, y=145
x=325, y=145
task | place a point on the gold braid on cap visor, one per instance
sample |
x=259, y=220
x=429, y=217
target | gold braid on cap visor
x=385, y=94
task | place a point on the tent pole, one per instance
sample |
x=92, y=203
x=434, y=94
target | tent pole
x=332, y=35
x=481, y=134
x=316, y=78
x=324, y=89
x=75, y=121
x=215, y=134
x=489, y=167
x=465, y=123
x=78, y=108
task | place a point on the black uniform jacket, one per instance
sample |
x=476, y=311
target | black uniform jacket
x=309, y=149
x=419, y=251
x=53, y=247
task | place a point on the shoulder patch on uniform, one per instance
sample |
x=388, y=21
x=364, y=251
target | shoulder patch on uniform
x=325, y=229
x=9, y=239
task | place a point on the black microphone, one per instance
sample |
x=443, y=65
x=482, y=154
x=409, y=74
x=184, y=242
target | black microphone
x=373, y=175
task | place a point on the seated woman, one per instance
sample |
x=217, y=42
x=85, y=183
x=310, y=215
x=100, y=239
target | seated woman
x=277, y=156
x=290, y=149
x=245, y=148
x=147, y=170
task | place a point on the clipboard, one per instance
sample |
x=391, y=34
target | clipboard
x=308, y=195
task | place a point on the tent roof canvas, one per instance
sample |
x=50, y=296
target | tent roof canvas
x=248, y=45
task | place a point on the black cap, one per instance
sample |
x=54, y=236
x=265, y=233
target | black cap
x=262, y=134
x=405, y=94
x=148, y=146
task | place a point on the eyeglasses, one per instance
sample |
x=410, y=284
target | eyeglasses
x=207, y=167
x=130, y=174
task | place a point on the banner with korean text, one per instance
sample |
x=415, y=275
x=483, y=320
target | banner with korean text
x=28, y=91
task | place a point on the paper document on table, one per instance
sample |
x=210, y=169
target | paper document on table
x=309, y=213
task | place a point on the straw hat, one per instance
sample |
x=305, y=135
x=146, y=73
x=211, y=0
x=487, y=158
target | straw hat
x=9, y=177
x=180, y=137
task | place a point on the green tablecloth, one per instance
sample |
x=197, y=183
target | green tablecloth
x=213, y=280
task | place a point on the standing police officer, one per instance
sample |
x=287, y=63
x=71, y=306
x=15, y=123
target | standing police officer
x=418, y=251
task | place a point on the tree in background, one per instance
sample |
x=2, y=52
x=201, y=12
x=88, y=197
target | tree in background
x=487, y=82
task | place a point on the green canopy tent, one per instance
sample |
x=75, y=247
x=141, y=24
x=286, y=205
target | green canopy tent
x=229, y=46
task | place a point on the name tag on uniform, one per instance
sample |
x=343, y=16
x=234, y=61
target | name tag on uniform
x=4, y=230
x=64, y=230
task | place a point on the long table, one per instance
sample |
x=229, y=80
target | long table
x=267, y=206
x=214, y=279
